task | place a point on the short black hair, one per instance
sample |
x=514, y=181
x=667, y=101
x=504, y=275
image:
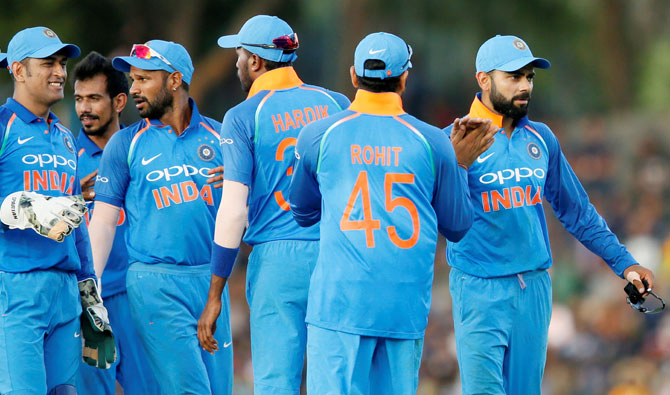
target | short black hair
x=94, y=64
x=377, y=85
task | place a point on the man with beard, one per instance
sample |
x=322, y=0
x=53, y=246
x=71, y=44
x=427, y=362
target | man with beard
x=100, y=94
x=499, y=284
x=157, y=169
x=257, y=140
x=44, y=269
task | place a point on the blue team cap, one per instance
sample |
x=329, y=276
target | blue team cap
x=37, y=42
x=266, y=36
x=389, y=48
x=3, y=60
x=157, y=55
x=506, y=53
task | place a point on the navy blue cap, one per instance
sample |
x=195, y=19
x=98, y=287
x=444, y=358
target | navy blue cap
x=177, y=56
x=507, y=53
x=37, y=42
x=261, y=30
x=389, y=48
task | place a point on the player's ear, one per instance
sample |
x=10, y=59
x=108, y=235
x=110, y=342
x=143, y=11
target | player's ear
x=174, y=80
x=119, y=102
x=484, y=81
x=354, y=77
x=256, y=63
x=18, y=71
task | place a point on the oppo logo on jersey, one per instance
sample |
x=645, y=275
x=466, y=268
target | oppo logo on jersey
x=175, y=171
x=517, y=174
x=48, y=160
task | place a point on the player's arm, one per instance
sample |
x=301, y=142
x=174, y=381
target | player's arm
x=304, y=192
x=231, y=219
x=571, y=204
x=451, y=194
x=102, y=231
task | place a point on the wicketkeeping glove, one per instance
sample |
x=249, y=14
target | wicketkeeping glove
x=99, y=347
x=49, y=216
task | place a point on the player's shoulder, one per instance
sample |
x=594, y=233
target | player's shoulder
x=125, y=135
x=543, y=132
x=5, y=116
x=211, y=123
x=423, y=127
x=341, y=100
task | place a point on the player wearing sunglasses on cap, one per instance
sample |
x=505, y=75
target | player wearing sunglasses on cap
x=46, y=271
x=499, y=284
x=257, y=139
x=157, y=169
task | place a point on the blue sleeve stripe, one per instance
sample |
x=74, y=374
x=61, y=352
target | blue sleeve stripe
x=323, y=139
x=9, y=126
x=425, y=142
x=539, y=137
x=258, y=112
x=325, y=93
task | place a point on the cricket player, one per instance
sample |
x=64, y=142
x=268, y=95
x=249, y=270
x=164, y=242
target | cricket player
x=383, y=184
x=499, y=284
x=45, y=256
x=100, y=94
x=258, y=138
x=156, y=169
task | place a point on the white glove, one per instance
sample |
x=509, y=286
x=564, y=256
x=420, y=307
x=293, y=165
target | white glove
x=52, y=217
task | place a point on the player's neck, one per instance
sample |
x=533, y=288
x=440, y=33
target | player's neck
x=102, y=140
x=35, y=106
x=179, y=117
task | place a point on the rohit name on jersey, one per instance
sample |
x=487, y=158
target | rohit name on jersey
x=60, y=178
x=514, y=196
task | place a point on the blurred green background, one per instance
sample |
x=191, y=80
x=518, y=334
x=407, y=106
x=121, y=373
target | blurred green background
x=607, y=97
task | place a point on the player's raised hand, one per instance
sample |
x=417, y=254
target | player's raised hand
x=49, y=216
x=87, y=184
x=218, y=178
x=471, y=137
x=207, y=325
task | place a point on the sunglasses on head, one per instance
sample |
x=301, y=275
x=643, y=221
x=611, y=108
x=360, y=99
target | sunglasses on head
x=287, y=42
x=142, y=51
x=637, y=301
x=410, y=52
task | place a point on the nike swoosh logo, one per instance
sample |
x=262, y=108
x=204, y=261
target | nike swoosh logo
x=482, y=160
x=371, y=52
x=147, y=161
x=226, y=345
x=77, y=334
x=23, y=141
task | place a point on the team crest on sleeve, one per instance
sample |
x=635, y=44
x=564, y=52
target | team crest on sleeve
x=534, y=151
x=206, y=152
x=68, y=144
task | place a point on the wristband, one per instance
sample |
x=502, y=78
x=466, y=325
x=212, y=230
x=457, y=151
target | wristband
x=222, y=260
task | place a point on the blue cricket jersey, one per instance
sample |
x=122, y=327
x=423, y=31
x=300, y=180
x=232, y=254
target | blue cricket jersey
x=383, y=183
x=160, y=180
x=257, y=140
x=507, y=184
x=114, y=277
x=39, y=155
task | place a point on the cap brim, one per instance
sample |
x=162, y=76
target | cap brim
x=517, y=64
x=70, y=50
x=123, y=63
x=230, y=41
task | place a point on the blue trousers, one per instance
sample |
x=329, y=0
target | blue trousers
x=277, y=286
x=40, y=338
x=501, y=327
x=166, y=301
x=131, y=368
x=344, y=363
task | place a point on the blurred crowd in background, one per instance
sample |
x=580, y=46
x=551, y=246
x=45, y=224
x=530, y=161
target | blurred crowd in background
x=607, y=98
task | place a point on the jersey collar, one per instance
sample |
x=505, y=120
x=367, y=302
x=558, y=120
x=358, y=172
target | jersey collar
x=385, y=103
x=25, y=114
x=479, y=110
x=86, y=144
x=281, y=78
